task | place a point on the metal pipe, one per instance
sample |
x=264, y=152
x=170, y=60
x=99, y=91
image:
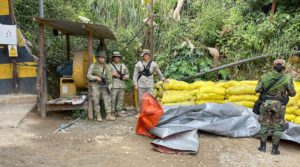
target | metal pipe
x=41, y=8
x=234, y=64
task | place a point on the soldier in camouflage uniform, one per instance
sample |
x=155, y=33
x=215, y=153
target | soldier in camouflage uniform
x=100, y=76
x=143, y=75
x=120, y=74
x=272, y=110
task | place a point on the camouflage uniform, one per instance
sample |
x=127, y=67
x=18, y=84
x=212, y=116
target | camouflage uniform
x=99, y=92
x=145, y=84
x=272, y=110
x=118, y=88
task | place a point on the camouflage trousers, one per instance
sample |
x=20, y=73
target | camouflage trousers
x=141, y=92
x=117, y=99
x=271, y=118
x=100, y=93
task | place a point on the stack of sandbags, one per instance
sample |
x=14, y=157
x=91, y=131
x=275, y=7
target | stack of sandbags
x=158, y=90
x=242, y=93
x=292, y=112
x=211, y=93
x=291, y=109
x=177, y=93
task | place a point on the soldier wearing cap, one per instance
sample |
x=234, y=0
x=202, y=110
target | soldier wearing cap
x=275, y=89
x=99, y=74
x=143, y=74
x=120, y=75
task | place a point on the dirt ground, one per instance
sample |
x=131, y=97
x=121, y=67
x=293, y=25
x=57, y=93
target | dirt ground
x=110, y=144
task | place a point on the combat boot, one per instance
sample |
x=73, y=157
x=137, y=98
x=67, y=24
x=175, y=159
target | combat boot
x=275, y=150
x=99, y=118
x=110, y=117
x=262, y=147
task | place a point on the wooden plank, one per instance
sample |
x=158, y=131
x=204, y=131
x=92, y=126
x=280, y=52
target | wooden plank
x=42, y=80
x=67, y=107
x=68, y=47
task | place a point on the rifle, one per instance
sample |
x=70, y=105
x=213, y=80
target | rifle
x=103, y=84
x=119, y=72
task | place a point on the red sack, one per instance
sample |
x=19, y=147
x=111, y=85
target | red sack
x=150, y=113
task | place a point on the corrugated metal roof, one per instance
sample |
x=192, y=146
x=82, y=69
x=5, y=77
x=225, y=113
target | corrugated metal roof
x=77, y=28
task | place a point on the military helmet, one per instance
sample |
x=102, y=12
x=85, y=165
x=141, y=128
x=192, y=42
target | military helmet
x=101, y=54
x=145, y=51
x=279, y=62
x=117, y=54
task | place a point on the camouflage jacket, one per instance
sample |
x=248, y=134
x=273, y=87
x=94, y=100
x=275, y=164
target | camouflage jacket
x=143, y=81
x=97, y=70
x=116, y=82
x=282, y=88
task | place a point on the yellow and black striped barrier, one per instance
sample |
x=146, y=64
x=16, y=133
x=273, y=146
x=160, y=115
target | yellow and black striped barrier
x=25, y=65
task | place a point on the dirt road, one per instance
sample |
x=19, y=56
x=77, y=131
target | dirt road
x=114, y=144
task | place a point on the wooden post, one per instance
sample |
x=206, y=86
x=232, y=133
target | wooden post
x=41, y=70
x=273, y=9
x=68, y=47
x=14, y=59
x=90, y=58
x=151, y=28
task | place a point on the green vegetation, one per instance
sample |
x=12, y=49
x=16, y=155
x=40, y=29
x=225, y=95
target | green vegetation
x=238, y=29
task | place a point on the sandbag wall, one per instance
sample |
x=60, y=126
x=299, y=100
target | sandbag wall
x=292, y=113
x=238, y=92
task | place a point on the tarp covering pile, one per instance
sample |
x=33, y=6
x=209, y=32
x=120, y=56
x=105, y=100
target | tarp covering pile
x=176, y=131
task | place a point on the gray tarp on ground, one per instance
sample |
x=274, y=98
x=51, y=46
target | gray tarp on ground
x=178, y=127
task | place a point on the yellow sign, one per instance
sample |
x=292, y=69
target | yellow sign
x=4, y=7
x=12, y=51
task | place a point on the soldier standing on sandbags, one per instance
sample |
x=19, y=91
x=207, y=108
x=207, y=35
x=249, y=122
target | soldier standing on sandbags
x=143, y=75
x=120, y=74
x=100, y=76
x=275, y=89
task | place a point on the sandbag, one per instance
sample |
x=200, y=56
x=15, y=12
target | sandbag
x=199, y=84
x=248, y=104
x=297, y=112
x=185, y=103
x=241, y=90
x=297, y=120
x=173, y=96
x=289, y=117
x=176, y=85
x=236, y=98
x=210, y=101
x=212, y=90
x=209, y=97
x=293, y=102
x=291, y=110
x=248, y=83
x=230, y=84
